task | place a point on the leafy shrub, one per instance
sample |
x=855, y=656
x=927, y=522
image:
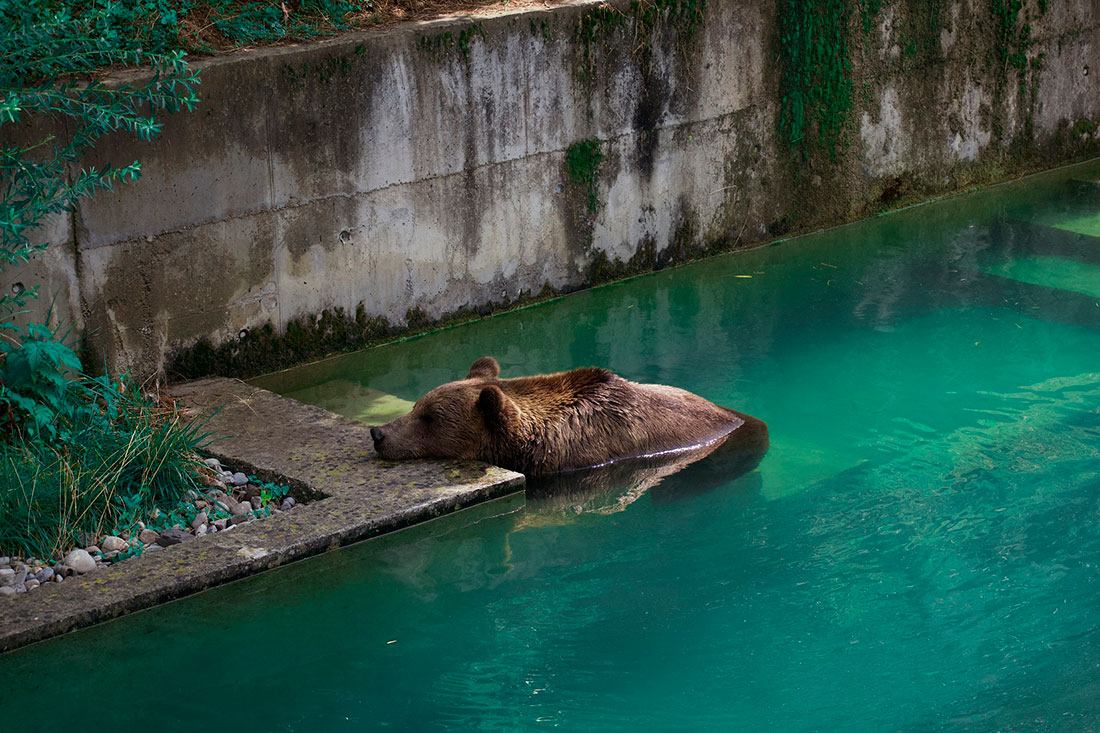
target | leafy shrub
x=77, y=454
x=125, y=458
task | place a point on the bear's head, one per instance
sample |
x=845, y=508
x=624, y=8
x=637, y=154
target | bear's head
x=456, y=420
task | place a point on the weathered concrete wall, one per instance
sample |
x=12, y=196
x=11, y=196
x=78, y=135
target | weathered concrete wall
x=391, y=178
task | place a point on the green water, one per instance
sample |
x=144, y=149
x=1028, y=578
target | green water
x=919, y=550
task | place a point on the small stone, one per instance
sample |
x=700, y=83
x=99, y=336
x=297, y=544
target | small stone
x=80, y=561
x=57, y=578
x=173, y=536
x=214, y=463
x=239, y=479
x=113, y=544
x=201, y=504
x=238, y=519
x=147, y=537
x=45, y=575
x=219, y=524
x=93, y=550
x=199, y=520
x=32, y=584
x=201, y=530
x=7, y=590
x=5, y=560
x=256, y=502
x=250, y=491
x=153, y=548
x=20, y=588
x=288, y=503
x=111, y=555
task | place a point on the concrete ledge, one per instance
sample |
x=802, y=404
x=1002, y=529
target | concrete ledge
x=319, y=454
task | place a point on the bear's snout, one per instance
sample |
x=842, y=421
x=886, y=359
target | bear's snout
x=377, y=436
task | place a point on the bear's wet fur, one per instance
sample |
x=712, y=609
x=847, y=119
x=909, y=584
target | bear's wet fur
x=556, y=422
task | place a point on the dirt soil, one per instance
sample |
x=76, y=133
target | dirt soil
x=201, y=37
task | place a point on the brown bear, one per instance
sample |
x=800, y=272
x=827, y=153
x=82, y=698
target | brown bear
x=556, y=422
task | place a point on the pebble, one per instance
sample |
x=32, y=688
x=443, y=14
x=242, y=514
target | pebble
x=80, y=561
x=113, y=544
x=20, y=575
x=173, y=536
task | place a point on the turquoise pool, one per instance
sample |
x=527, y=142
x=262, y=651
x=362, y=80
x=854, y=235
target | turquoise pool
x=919, y=550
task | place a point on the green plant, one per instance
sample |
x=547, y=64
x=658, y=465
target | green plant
x=582, y=163
x=46, y=54
x=78, y=454
x=126, y=458
x=815, y=82
x=270, y=493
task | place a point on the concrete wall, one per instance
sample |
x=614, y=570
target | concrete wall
x=407, y=174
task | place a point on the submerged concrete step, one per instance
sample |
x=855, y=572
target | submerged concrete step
x=356, y=496
x=1058, y=273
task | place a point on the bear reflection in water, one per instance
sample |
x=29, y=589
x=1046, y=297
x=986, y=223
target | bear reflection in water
x=666, y=477
x=585, y=431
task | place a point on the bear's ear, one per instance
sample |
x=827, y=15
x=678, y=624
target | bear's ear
x=486, y=368
x=499, y=412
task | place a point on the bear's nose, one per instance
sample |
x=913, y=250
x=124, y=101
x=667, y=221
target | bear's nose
x=376, y=433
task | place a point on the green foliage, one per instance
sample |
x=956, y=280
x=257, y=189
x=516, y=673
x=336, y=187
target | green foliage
x=77, y=454
x=124, y=458
x=646, y=16
x=815, y=83
x=1012, y=41
x=43, y=53
x=1084, y=126
x=582, y=163
x=163, y=26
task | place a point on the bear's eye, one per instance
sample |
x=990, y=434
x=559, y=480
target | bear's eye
x=427, y=417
